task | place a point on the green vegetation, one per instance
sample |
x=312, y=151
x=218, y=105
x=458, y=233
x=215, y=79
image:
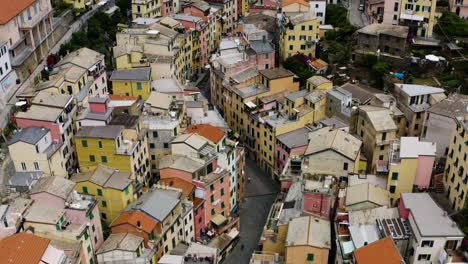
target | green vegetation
x=299, y=69
x=335, y=48
x=60, y=7
x=451, y=25
x=377, y=68
x=426, y=81
x=99, y=35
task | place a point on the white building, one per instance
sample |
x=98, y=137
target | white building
x=435, y=235
x=319, y=7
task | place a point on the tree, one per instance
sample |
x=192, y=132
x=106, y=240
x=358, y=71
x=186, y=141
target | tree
x=298, y=68
x=451, y=25
x=336, y=16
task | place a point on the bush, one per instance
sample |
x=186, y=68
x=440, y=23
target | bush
x=298, y=68
x=451, y=25
x=336, y=16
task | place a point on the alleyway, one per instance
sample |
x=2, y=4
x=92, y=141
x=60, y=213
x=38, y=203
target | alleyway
x=260, y=195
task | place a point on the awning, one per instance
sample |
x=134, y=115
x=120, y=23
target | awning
x=412, y=17
x=219, y=220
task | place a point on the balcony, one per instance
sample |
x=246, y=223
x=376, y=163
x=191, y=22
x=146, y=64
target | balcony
x=29, y=23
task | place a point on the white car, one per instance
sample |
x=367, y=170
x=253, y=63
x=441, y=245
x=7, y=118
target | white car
x=361, y=7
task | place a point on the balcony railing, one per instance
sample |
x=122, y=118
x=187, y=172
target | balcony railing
x=30, y=22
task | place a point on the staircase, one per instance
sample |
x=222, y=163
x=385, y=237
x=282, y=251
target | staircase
x=439, y=182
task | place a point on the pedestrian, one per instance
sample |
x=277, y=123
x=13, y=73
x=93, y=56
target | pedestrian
x=242, y=246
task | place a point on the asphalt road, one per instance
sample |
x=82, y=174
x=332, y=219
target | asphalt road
x=260, y=195
x=356, y=17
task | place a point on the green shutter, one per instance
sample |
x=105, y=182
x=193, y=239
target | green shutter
x=84, y=143
x=104, y=204
x=155, y=134
x=85, y=189
x=310, y=257
x=99, y=192
x=100, y=144
x=92, y=158
x=104, y=159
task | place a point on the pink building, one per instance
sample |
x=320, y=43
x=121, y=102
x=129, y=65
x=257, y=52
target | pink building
x=189, y=22
x=167, y=8
x=58, y=193
x=424, y=152
x=375, y=10
x=317, y=203
x=459, y=7
x=98, y=113
x=263, y=5
x=293, y=143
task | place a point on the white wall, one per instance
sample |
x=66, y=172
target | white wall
x=319, y=9
x=439, y=130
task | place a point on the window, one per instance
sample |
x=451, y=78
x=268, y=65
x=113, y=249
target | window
x=427, y=243
x=152, y=145
x=345, y=166
x=310, y=257
x=84, y=143
x=213, y=212
x=291, y=47
x=155, y=134
x=166, y=145
x=395, y=17
x=89, y=248
x=392, y=189
x=36, y=166
x=424, y=257
x=100, y=144
x=86, y=235
x=303, y=28
x=103, y=216
x=395, y=176
x=384, y=135
x=99, y=192
x=85, y=189
x=222, y=191
x=139, y=87
x=93, y=228
x=212, y=198
x=104, y=159
x=92, y=158
x=126, y=190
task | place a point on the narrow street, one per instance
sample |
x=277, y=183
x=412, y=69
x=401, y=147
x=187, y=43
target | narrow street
x=356, y=18
x=260, y=195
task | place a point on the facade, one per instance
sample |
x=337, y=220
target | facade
x=123, y=247
x=289, y=144
x=30, y=32
x=319, y=8
x=7, y=74
x=146, y=8
x=115, y=146
x=410, y=166
x=383, y=39
x=132, y=82
x=56, y=113
x=331, y=152
x=312, y=246
x=376, y=128
x=440, y=120
x=299, y=33
x=459, y=7
x=435, y=235
x=113, y=190
x=414, y=100
x=456, y=166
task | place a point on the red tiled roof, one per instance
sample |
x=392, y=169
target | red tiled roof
x=207, y=131
x=197, y=202
x=23, y=248
x=122, y=97
x=382, y=251
x=132, y=218
x=11, y=8
x=187, y=187
x=288, y=2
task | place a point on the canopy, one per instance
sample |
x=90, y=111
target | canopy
x=219, y=220
x=432, y=58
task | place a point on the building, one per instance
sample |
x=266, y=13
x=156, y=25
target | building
x=439, y=236
x=456, y=166
x=410, y=166
x=318, y=8
x=12, y=215
x=366, y=196
x=308, y=240
x=440, y=120
x=90, y=62
x=331, y=152
x=112, y=188
x=33, y=150
x=30, y=31
x=383, y=251
x=128, y=56
x=116, y=146
x=132, y=82
x=7, y=74
x=289, y=144
x=319, y=82
x=383, y=40
x=376, y=128
x=146, y=8
x=123, y=247
x=414, y=100
x=459, y=7
x=299, y=33
x=71, y=220
x=25, y=247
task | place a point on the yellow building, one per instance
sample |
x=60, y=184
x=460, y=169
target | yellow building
x=299, y=33
x=376, y=128
x=410, y=166
x=146, y=8
x=456, y=167
x=114, y=146
x=128, y=56
x=419, y=16
x=112, y=188
x=308, y=241
x=319, y=82
x=132, y=82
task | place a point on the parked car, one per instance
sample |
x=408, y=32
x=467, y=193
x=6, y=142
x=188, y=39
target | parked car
x=361, y=7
